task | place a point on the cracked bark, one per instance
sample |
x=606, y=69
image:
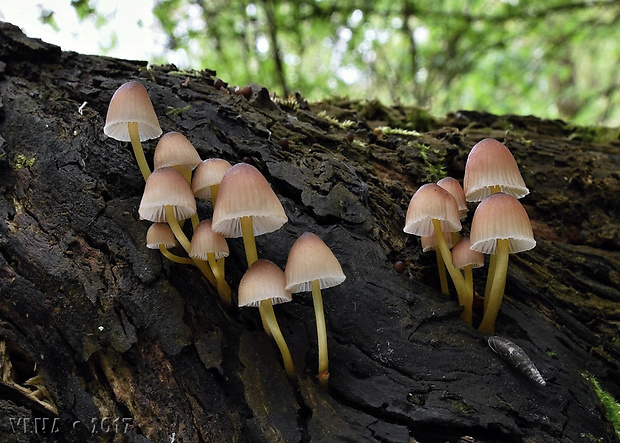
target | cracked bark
x=115, y=331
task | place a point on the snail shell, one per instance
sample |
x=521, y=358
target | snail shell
x=517, y=358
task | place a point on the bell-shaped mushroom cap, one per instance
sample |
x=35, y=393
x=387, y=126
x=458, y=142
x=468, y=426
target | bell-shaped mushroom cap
x=311, y=259
x=430, y=242
x=131, y=103
x=263, y=280
x=463, y=256
x=174, y=149
x=430, y=202
x=501, y=216
x=490, y=163
x=456, y=190
x=160, y=234
x=164, y=187
x=205, y=240
x=208, y=173
x=245, y=192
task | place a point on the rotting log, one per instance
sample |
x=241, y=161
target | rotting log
x=121, y=345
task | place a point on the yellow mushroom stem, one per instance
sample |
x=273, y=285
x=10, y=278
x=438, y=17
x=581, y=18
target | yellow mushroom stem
x=249, y=244
x=469, y=281
x=487, y=289
x=455, y=274
x=492, y=259
x=487, y=325
x=222, y=287
x=321, y=334
x=214, y=189
x=175, y=258
x=134, y=136
x=247, y=230
x=441, y=268
x=266, y=310
x=182, y=238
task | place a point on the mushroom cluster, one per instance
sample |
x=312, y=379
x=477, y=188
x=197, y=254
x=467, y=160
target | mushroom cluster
x=244, y=205
x=500, y=225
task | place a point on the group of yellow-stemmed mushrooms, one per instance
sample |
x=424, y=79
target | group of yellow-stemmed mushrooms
x=244, y=205
x=500, y=225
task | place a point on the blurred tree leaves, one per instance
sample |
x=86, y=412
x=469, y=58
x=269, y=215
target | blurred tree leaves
x=553, y=58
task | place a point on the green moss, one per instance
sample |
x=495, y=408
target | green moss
x=398, y=131
x=435, y=170
x=611, y=406
x=21, y=161
x=175, y=111
x=464, y=408
x=334, y=121
x=595, y=134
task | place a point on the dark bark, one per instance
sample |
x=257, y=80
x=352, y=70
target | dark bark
x=115, y=331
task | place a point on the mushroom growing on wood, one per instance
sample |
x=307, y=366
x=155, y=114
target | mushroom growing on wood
x=176, y=151
x=246, y=207
x=429, y=243
x=160, y=236
x=491, y=168
x=466, y=259
x=207, y=178
x=168, y=198
x=312, y=266
x=432, y=210
x=500, y=226
x=263, y=285
x=210, y=246
x=131, y=117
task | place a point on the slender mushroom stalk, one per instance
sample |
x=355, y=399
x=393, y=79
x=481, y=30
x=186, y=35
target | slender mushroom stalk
x=429, y=243
x=249, y=243
x=131, y=117
x=311, y=266
x=455, y=274
x=487, y=325
x=500, y=226
x=138, y=151
x=443, y=278
x=261, y=286
x=465, y=259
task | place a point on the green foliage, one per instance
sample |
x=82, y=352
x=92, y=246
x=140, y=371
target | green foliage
x=21, y=161
x=611, y=406
x=554, y=59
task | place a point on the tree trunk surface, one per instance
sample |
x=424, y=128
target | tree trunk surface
x=104, y=340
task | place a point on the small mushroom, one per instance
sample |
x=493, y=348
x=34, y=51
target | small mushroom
x=168, y=198
x=500, y=226
x=131, y=117
x=432, y=210
x=207, y=178
x=246, y=207
x=312, y=266
x=262, y=286
x=176, y=151
x=210, y=246
x=491, y=168
x=160, y=236
x=465, y=259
